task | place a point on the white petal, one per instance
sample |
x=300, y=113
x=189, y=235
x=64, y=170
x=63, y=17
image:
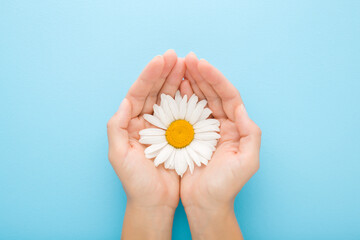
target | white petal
x=183, y=107
x=151, y=132
x=201, y=148
x=163, y=117
x=166, y=107
x=211, y=142
x=188, y=160
x=191, y=106
x=178, y=98
x=205, y=114
x=206, y=122
x=156, y=113
x=203, y=160
x=152, y=139
x=154, y=121
x=197, y=111
x=154, y=148
x=208, y=128
x=173, y=107
x=164, y=155
x=193, y=155
x=152, y=155
x=211, y=146
x=162, y=103
x=170, y=163
x=180, y=162
x=207, y=136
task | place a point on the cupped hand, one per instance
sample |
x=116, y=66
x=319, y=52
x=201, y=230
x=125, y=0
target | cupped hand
x=213, y=188
x=154, y=189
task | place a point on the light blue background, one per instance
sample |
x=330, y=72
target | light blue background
x=66, y=65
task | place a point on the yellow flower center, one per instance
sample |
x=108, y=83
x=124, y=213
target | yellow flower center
x=180, y=133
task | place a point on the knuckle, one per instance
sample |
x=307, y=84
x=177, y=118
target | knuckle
x=110, y=123
x=257, y=131
x=110, y=157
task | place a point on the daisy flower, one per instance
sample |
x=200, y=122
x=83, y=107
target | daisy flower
x=184, y=135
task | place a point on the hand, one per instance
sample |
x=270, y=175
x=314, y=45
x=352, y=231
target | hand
x=208, y=194
x=152, y=193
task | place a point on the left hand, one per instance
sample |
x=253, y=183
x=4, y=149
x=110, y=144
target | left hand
x=208, y=194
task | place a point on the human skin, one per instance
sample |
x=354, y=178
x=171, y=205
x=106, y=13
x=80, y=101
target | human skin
x=208, y=194
x=152, y=193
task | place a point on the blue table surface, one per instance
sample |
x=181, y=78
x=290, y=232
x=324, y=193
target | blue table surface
x=66, y=65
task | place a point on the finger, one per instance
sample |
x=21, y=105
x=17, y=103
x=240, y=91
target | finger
x=185, y=89
x=250, y=133
x=170, y=60
x=194, y=86
x=116, y=128
x=174, y=79
x=139, y=91
x=229, y=95
x=214, y=101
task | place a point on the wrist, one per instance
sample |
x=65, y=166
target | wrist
x=213, y=222
x=153, y=210
x=147, y=222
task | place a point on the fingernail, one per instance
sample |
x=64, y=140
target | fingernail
x=192, y=53
x=121, y=104
x=242, y=109
x=157, y=56
x=202, y=59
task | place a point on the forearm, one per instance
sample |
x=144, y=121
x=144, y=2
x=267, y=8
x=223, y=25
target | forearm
x=147, y=222
x=213, y=223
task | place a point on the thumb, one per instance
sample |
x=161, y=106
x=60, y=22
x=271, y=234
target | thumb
x=250, y=133
x=116, y=128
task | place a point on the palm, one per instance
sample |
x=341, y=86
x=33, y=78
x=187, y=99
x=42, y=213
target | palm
x=232, y=164
x=144, y=178
x=236, y=157
x=142, y=181
x=209, y=181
